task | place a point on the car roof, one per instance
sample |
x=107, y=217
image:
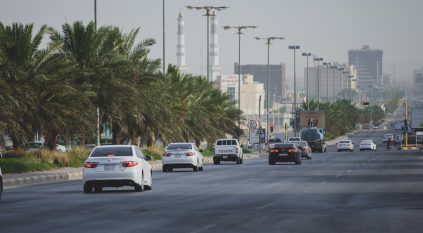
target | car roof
x=110, y=146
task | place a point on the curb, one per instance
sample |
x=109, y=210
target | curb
x=68, y=176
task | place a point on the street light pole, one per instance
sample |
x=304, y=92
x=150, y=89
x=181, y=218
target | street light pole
x=268, y=39
x=239, y=32
x=208, y=10
x=318, y=59
x=164, y=44
x=294, y=109
x=98, y=109
x=308, y=105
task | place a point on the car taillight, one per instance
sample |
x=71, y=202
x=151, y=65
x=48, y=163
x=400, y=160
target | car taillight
x=166, y=154
x=90, y=165
x=189, y=153
x=292, y=150
x=274, y=150
x=129, y=163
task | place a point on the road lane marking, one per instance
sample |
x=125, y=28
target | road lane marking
x=338, y=176
x=349, y=170
x=264, y=206
x=324, y=182
x=205, y=228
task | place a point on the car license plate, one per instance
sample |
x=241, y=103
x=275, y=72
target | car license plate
x=178, y=156
x=225, y=157
x=283, y=154
x=109, y=167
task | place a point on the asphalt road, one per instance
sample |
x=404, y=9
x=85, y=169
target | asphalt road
x=378, y=191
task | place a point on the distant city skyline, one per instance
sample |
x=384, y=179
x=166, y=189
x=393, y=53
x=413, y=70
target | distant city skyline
x=327, y=28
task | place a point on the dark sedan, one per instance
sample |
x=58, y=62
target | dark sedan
x=285, y=152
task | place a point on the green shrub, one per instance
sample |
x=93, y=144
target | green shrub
x=207, y=153
x=154, y=152
x=21, y=161
x=246, y=150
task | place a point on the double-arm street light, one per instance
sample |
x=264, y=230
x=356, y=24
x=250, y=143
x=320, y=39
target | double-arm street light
x=294, y=107
x=208, y=10
x=318, y=59
x=239, y=32
x=327, y=64
x=268, y=40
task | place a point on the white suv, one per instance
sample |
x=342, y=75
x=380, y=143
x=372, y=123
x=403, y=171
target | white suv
x=345, y=145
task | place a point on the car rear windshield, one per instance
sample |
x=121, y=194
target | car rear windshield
x=179, y=147
x=112, y=151
x=226, y=143
x=284, y=145
x=344, y=142
x=302, y=143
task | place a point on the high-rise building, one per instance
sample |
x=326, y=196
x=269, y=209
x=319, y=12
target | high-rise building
x=214, y=48
x=180, y=47
x=368, y=63
x=418, y=76
x=277, y=77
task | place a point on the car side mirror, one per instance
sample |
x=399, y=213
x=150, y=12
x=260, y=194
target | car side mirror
x=148, y=158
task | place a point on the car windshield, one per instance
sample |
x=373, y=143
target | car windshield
x=344, y=141
x=284, y=145
x=366, y=141
x=35, y=145
x=111, y=151
x=179, y=147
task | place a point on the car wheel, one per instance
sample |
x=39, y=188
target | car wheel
x=242, y=160
x=271, y=162
x=339, y=150
x=98, y=188
x=216, y=161
x=195, y=168
x=88, y=188
x=149, y=187
x=139, y=187
x=164, y=168
x=238, y=161
x=309, y=157
x=325, y=149
x=200, y=168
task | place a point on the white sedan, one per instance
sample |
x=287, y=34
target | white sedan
x=117, y=166
x=345, y=145
x=367, y=145
x=182, y=155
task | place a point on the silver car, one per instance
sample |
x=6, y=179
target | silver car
x=182, y=155
x=117, y=166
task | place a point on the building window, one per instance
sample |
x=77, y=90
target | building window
x=231, y=93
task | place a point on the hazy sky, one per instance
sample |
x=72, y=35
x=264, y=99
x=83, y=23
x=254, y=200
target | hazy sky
x=327, y=28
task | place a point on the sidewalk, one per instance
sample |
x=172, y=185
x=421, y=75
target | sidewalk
x=64, y=174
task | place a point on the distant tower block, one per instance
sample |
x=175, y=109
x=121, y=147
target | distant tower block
x=214, y=48
x=180, y=54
